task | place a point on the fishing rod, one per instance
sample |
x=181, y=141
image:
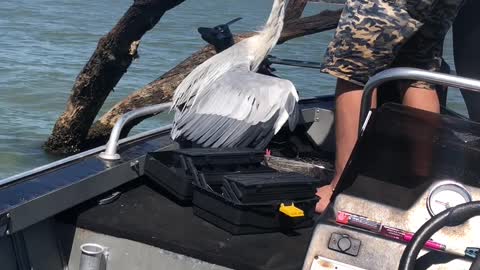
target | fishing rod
x=294, y=63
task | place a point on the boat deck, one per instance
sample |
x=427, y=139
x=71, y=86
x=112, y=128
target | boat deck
x=145, y=214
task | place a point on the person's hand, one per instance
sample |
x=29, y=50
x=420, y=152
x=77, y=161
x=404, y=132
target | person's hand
x=325, y=194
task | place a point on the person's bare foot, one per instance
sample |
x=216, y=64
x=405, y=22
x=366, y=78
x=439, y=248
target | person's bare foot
x=325, y=194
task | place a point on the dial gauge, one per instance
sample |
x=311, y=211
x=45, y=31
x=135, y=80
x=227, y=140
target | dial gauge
x=445, y=195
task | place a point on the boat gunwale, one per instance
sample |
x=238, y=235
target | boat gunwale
x=20, y=176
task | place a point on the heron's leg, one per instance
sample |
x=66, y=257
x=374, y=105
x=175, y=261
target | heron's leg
x=347, y=111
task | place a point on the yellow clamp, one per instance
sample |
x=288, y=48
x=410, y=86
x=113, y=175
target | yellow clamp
x=291, y=210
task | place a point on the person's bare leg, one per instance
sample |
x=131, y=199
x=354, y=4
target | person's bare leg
x=347, y=111
x=422, y=154
x=423, y=99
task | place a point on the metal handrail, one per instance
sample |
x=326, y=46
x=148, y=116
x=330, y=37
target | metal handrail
x=410, y=74
x=110, y=152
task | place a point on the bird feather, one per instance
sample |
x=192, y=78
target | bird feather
x=224, y=103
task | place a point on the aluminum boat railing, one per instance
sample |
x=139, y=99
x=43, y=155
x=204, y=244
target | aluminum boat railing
x=410, y=74
x=110, y=152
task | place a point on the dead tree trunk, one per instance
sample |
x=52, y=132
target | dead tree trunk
x=111, y=59
x=294, y=9
x=161, y=90
x=325, y=20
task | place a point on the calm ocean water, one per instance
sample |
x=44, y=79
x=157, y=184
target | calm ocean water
x=45, y=44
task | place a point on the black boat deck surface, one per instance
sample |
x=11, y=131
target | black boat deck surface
x=145, y=215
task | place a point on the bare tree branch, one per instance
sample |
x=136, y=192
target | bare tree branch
x=295, y=9
x=325, y=20
x=111, y=59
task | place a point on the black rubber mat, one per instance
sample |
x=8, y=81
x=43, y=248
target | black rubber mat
x=143, y=214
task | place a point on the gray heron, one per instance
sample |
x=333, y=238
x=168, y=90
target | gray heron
x=225, y=103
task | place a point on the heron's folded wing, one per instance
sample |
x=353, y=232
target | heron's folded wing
x=240, y=107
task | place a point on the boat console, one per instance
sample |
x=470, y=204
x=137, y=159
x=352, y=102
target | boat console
x=408, y=166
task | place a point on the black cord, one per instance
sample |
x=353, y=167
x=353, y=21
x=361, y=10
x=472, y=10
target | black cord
x=450, y=217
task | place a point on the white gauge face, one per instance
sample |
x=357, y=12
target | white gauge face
x=446, y=195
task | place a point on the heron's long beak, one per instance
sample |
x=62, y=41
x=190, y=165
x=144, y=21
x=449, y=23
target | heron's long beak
x=204, y=30
x=234, y=20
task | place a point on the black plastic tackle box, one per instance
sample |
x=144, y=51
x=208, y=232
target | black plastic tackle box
x=261, y=187
x=176, y=170
x=249, y=218
x=234, y=191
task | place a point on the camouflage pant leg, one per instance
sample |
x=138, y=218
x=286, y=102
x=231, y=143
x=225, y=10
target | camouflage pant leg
x=371, y=33
x=368, y=36
x=424, y=50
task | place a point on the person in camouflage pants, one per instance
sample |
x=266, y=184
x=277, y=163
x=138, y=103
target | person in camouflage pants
x=371, y=36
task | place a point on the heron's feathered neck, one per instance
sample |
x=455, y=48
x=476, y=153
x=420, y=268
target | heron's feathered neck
x=247, y=54
x=269, y=35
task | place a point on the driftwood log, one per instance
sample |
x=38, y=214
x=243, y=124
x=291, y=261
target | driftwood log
x=111, y=59
x=294, y=9
x=74, y=131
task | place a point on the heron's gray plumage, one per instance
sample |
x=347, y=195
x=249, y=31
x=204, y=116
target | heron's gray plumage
x=224, y=103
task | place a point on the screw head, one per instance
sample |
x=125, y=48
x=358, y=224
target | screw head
x=134, y=163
